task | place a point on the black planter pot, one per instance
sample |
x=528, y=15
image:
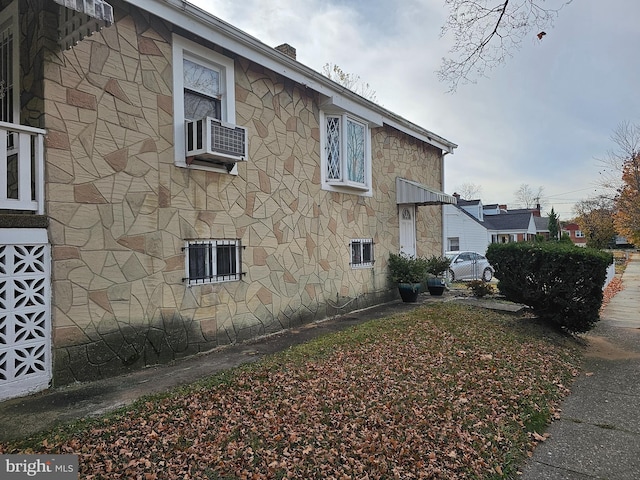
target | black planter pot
x=409, y=291
x=436, y=286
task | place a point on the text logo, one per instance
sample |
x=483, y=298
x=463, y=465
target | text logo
x=50, y=467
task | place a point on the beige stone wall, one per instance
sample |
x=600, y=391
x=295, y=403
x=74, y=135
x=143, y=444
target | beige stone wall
x=120, y=210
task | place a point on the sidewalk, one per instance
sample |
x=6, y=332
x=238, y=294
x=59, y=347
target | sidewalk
x=598, y=433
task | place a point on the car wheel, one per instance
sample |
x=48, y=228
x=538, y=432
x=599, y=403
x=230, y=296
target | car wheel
x=487, y=275
x=452, y=277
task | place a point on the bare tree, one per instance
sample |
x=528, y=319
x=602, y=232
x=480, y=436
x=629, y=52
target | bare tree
x=620, y=176
x=528, y=197
x=469, y=191
x=350, y=81
x=626, y=136
x=486, y=32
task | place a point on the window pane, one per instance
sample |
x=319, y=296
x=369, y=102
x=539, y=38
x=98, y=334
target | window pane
x=199, y=261
x=355, y=152
x=333, y=148
x=201, y=79
x=198, y=106
x=367, y=253
x=356, y=253
x=226, y=260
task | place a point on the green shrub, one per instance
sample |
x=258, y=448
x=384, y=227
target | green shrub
x=562, y=283
x=480, y=288
x=437, y=266
x=407, y=269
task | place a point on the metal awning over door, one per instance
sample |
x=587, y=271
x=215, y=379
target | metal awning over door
x=408, y=191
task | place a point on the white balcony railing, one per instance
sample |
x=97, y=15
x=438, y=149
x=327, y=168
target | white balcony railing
x=21, y=168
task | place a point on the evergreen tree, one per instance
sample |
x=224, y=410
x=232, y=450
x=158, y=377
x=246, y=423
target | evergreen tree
x=553, y=225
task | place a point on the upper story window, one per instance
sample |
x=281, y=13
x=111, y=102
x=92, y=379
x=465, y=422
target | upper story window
x=202, y=96
x=346, y=154
x=203, y=86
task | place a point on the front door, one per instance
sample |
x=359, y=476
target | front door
x=408, y=229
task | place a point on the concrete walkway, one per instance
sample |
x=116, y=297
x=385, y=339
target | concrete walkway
x=598, y=433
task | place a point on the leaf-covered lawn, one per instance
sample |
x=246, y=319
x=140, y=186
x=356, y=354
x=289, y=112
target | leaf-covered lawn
x=446, y=391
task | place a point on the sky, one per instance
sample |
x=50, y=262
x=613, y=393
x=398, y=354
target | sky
x=543, y=119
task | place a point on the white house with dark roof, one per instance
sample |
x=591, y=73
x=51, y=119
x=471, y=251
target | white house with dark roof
x=470, y=225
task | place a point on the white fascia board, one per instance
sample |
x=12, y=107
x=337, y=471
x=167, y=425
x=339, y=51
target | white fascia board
x=338, y=104
x=422, y=134
x=203, y=24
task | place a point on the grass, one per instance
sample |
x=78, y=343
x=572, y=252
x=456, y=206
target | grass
x=445, y=391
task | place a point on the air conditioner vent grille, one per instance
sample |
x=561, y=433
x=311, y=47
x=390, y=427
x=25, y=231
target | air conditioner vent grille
x=212, y=140
x=228, y=140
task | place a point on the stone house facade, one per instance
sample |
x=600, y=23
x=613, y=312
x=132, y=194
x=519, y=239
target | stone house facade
x=145, y=253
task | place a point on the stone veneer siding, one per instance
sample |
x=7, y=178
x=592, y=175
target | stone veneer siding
x=120, y=210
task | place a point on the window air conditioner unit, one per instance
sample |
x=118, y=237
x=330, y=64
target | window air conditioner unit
x=214, y=141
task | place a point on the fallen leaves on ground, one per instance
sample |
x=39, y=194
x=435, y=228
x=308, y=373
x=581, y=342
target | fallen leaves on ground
x=446, y=391
x=611, y=290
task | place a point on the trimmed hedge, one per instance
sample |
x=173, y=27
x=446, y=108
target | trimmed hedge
x=562, y=283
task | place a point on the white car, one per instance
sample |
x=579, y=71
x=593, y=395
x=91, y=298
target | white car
x=469, y=266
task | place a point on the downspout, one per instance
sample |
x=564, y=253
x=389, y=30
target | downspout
x=444, y=240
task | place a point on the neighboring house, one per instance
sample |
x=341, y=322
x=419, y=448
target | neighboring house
x=470, y=225
x=576, y=235
x=464, y=227
x=170, y=184
x=542, y=227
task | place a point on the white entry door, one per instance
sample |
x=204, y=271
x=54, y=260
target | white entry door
x=408, y=229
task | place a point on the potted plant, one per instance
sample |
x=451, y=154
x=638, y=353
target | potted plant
x=436, y=268
x=408, y=272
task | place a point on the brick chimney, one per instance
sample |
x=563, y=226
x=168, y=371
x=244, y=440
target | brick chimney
x=287, y=49
x=536, y=211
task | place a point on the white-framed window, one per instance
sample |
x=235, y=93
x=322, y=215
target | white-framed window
x=346, y=153
x=203, y=86
x=453, y=244
x=9, y=61
x=579, y=234
x=213, y=261
x=362, y=253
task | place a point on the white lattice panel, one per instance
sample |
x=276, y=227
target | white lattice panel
x=25, y=326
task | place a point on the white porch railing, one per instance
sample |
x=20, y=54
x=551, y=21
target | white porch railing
x=21, y=168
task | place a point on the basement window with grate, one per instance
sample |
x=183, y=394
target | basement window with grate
x=213, y=261
x=362, y=253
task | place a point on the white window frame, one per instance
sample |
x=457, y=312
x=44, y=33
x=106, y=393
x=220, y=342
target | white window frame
x=9, y=19
x=343, y=184
x=579, y=234
x=359, y=243
x=453, y=243
x=211, y=268
x=181, y=49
